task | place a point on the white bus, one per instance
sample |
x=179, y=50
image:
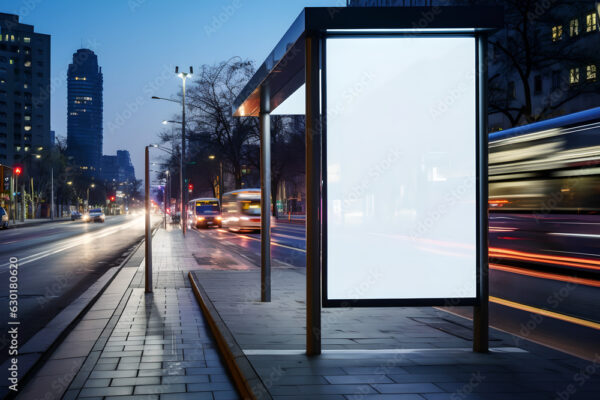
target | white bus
x=204, y=212
x=241, y=210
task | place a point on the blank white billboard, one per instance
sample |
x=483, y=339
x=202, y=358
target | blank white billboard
x=401, y=167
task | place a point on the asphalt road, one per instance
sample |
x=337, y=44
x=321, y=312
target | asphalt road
x=57, y=263
x=536, y=293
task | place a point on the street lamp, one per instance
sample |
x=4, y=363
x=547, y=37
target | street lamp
x=182, y=193
x=93, y=185
x=220, y=177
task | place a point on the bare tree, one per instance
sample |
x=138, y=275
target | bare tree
x=211, y=123
x=539, y=37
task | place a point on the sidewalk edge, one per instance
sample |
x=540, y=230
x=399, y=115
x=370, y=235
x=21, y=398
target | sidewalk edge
x=68, y=326
x=245, y=378
x=32, y=224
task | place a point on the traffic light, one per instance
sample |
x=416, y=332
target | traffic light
x=190, y=188
x=17, y=170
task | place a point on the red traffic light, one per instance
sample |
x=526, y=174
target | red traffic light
x=190, y=187
x=112, y=198
x=17, y=170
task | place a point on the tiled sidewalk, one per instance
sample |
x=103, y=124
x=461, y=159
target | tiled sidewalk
x=382, y=353
x=141, y=346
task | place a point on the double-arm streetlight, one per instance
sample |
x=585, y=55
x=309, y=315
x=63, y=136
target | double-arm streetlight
x=182, y=180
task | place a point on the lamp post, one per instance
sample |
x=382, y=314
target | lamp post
x=220, y=177
x=87, y=202
x=182, y=181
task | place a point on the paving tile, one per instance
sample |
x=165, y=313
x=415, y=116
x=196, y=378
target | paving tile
x=154, y=389
x=407, y=388
x=368, y=379
x=104, y=382
x=148, y=380
x=189, y=396
x=106, y=391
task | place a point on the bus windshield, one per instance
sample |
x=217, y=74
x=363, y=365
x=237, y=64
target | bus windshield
x=207, y=207
x=251, y=207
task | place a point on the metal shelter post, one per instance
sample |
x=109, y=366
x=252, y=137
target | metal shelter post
x=148, y=231
x=481, y=309
x=265, y=195
x=313, y=196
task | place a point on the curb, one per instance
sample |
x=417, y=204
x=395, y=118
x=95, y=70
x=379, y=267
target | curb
x=52, y=335
x=245, y=378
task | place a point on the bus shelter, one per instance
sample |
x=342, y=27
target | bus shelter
x=396, y=155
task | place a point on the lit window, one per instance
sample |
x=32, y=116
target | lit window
x=590, y=22
x=18, y=148
x=27, y=128
x=26, y=39
x=28, y=118
x=557, y=33
x=12, y=38
x=27, y=63
x=11, y=61
x=80, y=78
x=590, y=72
x=574, y=76
x=574, y=27
x=25, y=86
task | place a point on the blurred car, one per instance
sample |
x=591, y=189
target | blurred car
x=95, y=215
x=3, y=218
x=176, y=218
x=75, y=215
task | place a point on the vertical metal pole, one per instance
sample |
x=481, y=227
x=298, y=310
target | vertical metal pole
x=148, y=254
x=481, y=310
x=221, y=186
x=22, y=202
x=13, y=198
x=313, y=198
x=184, y=181
x=52, y=193
x=265, y=190
x=165, y=202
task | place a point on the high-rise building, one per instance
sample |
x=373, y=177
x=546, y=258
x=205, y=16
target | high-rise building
x=24, y=91
x=84, y=108
x=119, y=168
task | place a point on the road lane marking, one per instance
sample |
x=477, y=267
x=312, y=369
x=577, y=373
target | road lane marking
x=274, y=243
x=546, y=313
x=546, y=275
x=581, y=235
x=87, y=237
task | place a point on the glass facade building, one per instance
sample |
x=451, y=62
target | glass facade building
x=84, y=108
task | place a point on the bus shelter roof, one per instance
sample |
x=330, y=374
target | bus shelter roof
x=282, y=73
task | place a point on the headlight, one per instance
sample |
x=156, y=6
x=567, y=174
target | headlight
x=218, y=218
x=245, y=218
x=200, y=218
x=86, y=217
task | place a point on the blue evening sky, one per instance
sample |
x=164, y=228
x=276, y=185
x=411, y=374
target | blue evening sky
x=139, y=42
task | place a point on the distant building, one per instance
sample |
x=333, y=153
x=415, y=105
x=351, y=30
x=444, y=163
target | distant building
x=118, y=169
x=84, y=108
x=24, y=91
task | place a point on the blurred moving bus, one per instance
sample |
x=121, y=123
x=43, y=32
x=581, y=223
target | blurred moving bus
x=552, y=166
x=204, y=212
x=241, y=210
